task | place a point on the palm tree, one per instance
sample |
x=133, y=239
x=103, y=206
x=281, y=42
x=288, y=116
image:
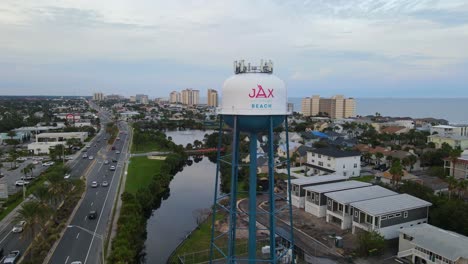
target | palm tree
x=461, y=187
x=367, y=156
x=379, y=156
x=452, y=184
x=35, y=216
x=454, y=154
x=396, y=171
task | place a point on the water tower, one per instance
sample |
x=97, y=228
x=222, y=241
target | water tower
x=254, y=102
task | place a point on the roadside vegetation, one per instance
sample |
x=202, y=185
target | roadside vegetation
x=53, y=198
x=113, y=131
x=147, y=184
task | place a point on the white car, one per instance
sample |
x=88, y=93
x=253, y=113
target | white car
x=76, y=262
x=18, y=228
x=21, y=159
x=85, y=156
x=12, y=257
x=90, y=157
x=106, y=162
x=112, y=168
x=35, y=162
x=68, y=158
x=21, y=183
x=117, y=152
x=47, y=164
x=104, y=184
x=67, y=176
x=94, y=184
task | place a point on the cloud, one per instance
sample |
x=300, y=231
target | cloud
x=307, y=40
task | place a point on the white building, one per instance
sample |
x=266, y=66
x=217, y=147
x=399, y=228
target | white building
x=445, y=130
x=331, y=160
x=338, y=203
x=316, y=201
x=45, y=141
x=388, y=215
x=298, y=191
x=98, y=96
x=425, y=243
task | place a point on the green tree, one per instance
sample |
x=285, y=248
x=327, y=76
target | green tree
x=454, y=154
x=396, y=170
x=461, y=188
x=370, y=244
x=379, y=156
x=452, y=185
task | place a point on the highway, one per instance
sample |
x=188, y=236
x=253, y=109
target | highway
x=83, y=238
x=15, y=241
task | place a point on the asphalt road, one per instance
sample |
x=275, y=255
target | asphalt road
x=83, y=240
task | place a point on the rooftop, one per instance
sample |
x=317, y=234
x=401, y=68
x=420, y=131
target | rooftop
x=330, y=187
x=389, y=204
x=318, y=179
x=361, y=194
x=42, y=135
x=442, y=242
x=336, y=153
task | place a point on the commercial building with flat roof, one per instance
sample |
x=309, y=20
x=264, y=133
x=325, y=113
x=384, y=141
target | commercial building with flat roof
x=338, y=203
x=387, y=215
x=316, y=201
x=425, y=243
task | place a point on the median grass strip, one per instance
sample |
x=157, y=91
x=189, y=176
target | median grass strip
x=140, y=172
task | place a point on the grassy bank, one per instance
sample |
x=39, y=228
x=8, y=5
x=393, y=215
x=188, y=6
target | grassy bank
x=140, y=173
x=366, y=178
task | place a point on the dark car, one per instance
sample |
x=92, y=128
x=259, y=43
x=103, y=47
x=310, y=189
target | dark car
x=381, y=167
x=114, y=160
x=92, y=215
x=113, y=147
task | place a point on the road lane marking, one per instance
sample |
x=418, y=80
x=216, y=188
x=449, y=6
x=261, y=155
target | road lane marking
x=97, y=193
x=5, y=237
x=86, y=218
x=92, y=204
x=78, y=235
x=67, y=259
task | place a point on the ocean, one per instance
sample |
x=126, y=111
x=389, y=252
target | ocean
x=454, y=110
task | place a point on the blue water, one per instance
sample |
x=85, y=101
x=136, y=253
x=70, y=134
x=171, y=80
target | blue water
x=452, y=109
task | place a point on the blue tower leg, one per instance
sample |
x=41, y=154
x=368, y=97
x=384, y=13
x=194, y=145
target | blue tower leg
x=215, y=201
x=253, y=199
x=233, y=202
x=271, y=181
x=288, y=164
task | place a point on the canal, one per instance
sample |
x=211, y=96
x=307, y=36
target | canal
x=191, y=190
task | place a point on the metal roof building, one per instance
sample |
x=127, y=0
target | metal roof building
x=366, y=193
x=390, y=204
x=425, y=239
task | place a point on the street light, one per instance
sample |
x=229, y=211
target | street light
x=95, y=235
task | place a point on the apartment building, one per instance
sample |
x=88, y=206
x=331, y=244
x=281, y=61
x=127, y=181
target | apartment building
x=339, y=203
x=388, y=215
x=98, y=97
x=332, y=160
x=212, y=98
x=455, y=141
x=446, y=130
x=459, y=167
x=316, y=201
x=335, y=107
x=298, y=185
x=190, y=97
x=175, y=97
x=425, y=243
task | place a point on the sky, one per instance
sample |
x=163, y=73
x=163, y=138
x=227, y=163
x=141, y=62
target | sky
x=393, y=48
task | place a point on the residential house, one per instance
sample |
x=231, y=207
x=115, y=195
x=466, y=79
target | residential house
x=395, y=130
x=446, y=130
x=297, y=187
x=459, y=167
x=387, y=177
x=332, y=160
x=282, y=149
x=388, y=215
x=301, y=153
x=454, y=141
x=338, y=203
x=316, y=201
x=425, y=243
x=309, y=139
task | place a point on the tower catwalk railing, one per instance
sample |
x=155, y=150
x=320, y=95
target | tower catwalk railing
x=278, y=247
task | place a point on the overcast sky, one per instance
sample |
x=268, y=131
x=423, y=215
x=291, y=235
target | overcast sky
x=397, y=48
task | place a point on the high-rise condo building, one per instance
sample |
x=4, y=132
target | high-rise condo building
x=175, y=97
x=190, y=97
x=212, y=98
x=335, y=107
x=98, y=96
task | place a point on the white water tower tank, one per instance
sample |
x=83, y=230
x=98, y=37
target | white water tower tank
x=253, y=94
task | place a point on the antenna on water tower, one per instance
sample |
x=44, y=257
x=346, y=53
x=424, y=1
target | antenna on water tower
x=254, y=102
